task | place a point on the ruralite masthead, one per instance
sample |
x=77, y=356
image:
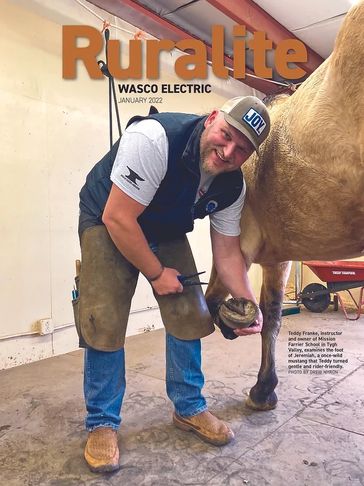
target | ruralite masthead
x=191, y=65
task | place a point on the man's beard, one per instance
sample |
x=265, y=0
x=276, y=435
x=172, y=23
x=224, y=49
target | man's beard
x=205, y=153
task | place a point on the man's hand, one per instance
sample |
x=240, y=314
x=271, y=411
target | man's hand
x=168, y=282
x=255, y=328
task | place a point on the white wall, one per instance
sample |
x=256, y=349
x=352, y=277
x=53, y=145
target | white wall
x=53, y=131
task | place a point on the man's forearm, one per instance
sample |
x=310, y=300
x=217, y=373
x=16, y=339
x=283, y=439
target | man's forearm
x=233, y=274
x=131, y=242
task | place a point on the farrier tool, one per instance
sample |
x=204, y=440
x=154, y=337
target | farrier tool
x=186, y=280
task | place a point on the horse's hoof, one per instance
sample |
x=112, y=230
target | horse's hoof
x=261, y=407
x=238, y=313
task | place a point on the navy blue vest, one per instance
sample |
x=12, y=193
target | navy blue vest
x=172, y=210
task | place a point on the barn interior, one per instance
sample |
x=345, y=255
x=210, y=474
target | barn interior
x=55, y=130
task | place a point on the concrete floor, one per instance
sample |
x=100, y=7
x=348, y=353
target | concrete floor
x=314, y=437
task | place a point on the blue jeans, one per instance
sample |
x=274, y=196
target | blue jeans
x=104, y=382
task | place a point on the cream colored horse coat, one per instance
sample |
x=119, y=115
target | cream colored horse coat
x=305, y=196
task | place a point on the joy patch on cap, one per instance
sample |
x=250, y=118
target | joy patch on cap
x=250, y=116
x=255, y=121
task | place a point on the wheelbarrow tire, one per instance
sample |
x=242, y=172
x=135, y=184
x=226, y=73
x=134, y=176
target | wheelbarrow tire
x=318, y=303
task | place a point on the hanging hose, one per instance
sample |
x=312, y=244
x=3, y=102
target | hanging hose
x=112, y=93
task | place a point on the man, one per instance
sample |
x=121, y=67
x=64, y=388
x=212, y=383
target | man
x=167, y=170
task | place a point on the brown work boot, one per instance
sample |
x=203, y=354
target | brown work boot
x=208, y=427
x=101, y=451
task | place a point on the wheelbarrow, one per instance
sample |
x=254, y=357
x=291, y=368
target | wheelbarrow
x=339, y=275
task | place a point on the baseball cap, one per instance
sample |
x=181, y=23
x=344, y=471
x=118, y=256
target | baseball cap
x=249, y=115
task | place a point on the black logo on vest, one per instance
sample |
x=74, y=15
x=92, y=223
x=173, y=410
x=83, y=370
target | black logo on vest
x=132, y=178
x=211, y=206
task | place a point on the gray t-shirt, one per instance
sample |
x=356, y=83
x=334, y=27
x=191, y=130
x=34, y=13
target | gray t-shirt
x=140, y=176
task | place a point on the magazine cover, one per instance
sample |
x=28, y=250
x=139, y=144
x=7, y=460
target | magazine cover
x=182, y=265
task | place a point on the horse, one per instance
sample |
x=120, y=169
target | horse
x=305, y=189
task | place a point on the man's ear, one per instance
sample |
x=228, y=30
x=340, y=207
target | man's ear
x=211, y=118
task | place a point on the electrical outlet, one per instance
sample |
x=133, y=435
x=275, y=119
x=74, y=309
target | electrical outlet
x=45, y=326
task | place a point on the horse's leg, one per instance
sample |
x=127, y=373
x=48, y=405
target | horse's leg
x=216, y=292
x=262, y=395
